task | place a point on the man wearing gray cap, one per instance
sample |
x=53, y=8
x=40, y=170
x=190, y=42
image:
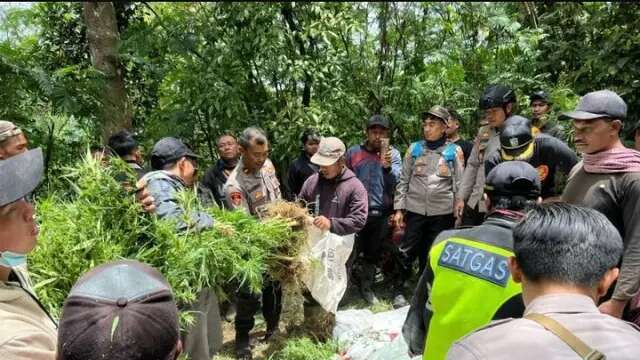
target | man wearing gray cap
x=608, y=180
x=27, y=332
x=12, y=140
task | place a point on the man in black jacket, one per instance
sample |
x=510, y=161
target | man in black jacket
x=302, y=167
x=216, y=176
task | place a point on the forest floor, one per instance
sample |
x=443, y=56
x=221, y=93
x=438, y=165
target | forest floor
x=292, y=317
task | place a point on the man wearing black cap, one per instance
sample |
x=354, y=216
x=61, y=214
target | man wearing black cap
x=27, y=332
x=122, y=310
x=12, y=140
x=124, y=145
x=608, y=180
x=547, y=154
x=379, y=170
x=467, y=282
x=497, y=103
x=540, y=103
x=175, y=166
x=425, y=194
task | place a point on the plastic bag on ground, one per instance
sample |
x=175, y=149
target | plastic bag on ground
x=368, y=336
x=327, y=277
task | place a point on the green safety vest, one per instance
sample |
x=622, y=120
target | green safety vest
x=471, y=282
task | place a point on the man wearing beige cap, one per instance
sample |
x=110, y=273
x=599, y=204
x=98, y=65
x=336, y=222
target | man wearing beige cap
x=341, y=206
x=12, y=140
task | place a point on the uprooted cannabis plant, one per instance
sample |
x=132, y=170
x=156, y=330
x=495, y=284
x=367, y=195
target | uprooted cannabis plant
x=96, y=220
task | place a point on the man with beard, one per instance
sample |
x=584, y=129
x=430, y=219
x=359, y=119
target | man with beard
x=608, y=180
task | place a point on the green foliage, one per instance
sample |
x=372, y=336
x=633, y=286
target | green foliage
x=196, y=70
x=307, y=349
x=97, y=221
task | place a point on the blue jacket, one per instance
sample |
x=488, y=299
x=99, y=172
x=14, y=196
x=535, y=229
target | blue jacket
x=164, y=187
x=379, y=183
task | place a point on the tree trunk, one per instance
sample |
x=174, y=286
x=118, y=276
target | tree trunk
x=103, y=37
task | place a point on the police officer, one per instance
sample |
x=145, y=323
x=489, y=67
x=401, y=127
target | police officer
x=467, y=270
x=565, y=258
x=551, y=157
x=497, y=103
x=540, y=103
x=424, y=196
x=250, y=186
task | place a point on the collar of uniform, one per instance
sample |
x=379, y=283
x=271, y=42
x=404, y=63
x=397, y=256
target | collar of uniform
x=246, y=172
x=10, y=290
x=561, y=303
x=502, y=219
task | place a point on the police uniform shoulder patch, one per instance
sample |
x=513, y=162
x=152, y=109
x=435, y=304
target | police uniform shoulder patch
x=475, y=262
x=543, y=172
x=235, y=196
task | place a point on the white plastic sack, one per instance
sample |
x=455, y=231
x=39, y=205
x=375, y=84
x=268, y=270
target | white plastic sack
x=327, y=276
x=369, y=336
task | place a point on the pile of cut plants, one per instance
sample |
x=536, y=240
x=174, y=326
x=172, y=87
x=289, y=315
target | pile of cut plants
x=96, y=220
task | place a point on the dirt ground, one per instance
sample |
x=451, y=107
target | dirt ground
x=292, y=318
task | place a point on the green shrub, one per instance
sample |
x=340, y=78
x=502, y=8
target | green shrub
x=96, y=221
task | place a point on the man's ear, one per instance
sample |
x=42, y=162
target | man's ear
x=605, y=282
x=487, y=201
x=514, y=268
x=509, y=109
x=616, y=125
x=539, y=200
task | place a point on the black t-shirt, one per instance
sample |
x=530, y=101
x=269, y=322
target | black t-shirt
x=299, y=172
x=466, y=147
x=617, y=196
x=550, y=155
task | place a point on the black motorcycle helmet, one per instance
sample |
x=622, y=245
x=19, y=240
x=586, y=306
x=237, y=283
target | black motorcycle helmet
x=496, y=95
